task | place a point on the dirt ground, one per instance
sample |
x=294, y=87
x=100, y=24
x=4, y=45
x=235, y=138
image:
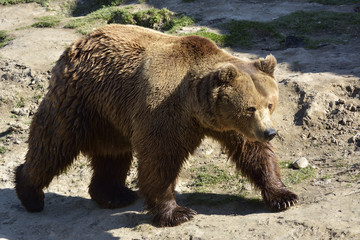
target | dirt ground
x=317, y=118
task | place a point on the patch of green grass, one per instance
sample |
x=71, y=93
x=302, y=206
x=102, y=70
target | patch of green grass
x=4, y=38
x=342, y=165
x=20, y=103
x=2, y=150
x=285, y=164
x=297, y=176
x=159, y=19
x=178, y=21
x=243, y=32
x=108, y=2
x=11, y=2
x=334, y=2
x=95, y=19
x=38, y=97
x=3, y=100
x=81, y=8
x=210, y=176
x=47, y=21
x=327, y=176
x=355, y=177
x=315, y=28
x=319, y=22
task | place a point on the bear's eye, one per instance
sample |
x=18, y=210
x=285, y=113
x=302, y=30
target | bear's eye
x=251, y=109
x=270, y=106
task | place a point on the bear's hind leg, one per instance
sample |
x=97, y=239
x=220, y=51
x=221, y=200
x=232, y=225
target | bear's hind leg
x=31, y=197
x=107, y=186
x=37, y=172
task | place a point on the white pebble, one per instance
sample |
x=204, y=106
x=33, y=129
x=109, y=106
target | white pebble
x=300, y=163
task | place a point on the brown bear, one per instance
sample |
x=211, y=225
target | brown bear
x=126, y=89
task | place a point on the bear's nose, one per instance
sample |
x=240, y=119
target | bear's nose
x=269, y=133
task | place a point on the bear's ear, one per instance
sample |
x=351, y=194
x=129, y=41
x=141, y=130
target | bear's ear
x=227, y=72
x=267, y=65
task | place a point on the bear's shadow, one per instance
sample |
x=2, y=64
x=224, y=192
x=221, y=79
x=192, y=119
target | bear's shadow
x=68, y=210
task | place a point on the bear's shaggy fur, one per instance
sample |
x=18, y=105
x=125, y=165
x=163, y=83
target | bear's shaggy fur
x=125, y=89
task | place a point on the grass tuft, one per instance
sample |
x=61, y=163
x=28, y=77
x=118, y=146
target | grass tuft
x=20, y=103
x=108, y=2
x=2, y=150
x=243, y=32
x=12, y=2
x=209, y=177
x=295, y=176
x=46, y=22
x=4, y=38
x=158, y=19
x=335, y=27
x=300, y=175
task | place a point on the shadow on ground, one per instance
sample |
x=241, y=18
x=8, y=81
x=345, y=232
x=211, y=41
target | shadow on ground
x=62, y=213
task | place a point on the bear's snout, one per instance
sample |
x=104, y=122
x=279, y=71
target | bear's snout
x=269, y=134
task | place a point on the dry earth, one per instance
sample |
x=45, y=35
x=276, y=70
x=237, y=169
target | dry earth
x=317, y=118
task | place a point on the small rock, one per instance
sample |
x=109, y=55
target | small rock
x=327, y=181
x=300, y=163
x=209, y=152
x=20, y=111
x=17, y=127
x=343, y=121
x=355, y=139
x=340, y=101
x=334, y=140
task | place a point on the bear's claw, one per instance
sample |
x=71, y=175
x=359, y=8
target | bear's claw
x=281, y=200
x=285, y=205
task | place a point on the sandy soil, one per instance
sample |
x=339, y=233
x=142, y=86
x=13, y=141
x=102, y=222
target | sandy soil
x=317, y=118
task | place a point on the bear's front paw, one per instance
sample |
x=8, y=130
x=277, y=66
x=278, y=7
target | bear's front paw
x=280, y=199
x=174, y=217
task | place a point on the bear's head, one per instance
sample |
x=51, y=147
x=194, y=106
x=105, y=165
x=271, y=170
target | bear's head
x=243, y=97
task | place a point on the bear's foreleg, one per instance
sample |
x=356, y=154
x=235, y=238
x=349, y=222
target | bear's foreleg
x=107, y=185
x=258, y=162
x=156, y=178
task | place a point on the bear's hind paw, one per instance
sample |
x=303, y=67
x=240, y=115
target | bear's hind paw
x=115, y=198
x=31, y=197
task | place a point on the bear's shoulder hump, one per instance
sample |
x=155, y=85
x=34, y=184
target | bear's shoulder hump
x=198, y=43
